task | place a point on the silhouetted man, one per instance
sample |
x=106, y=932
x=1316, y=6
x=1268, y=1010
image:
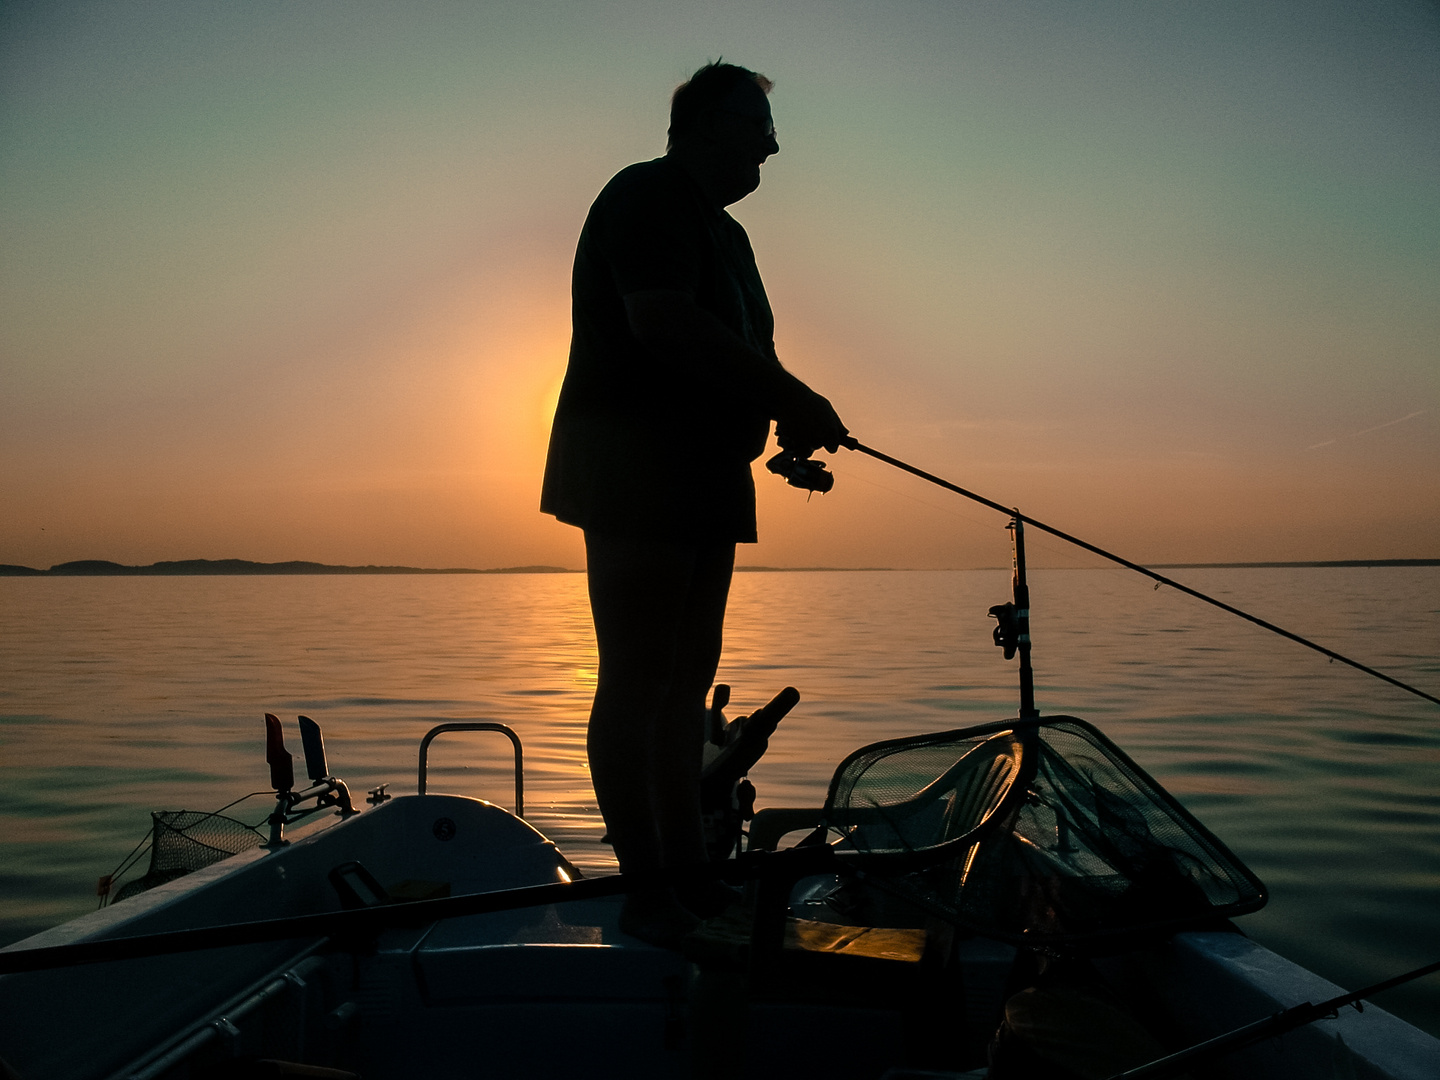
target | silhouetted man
x=671, y=386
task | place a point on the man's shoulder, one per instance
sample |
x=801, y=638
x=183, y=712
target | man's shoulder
x=648, y=188
x=645, y=196
x=655, y=173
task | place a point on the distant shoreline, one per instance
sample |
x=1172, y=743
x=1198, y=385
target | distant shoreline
x=241, y=567
x=244, y=567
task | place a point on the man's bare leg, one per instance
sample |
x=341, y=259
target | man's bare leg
x=681, y=733
x=659, y=611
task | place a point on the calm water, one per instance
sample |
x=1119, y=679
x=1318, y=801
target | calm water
x=118, y=696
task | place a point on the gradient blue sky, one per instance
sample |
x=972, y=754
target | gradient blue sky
x=290, y=280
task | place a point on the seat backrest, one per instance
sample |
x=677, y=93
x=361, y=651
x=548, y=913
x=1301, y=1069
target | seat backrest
x=980, y=789
x=910, y=796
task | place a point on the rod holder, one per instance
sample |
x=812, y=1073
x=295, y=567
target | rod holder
x=1020, y=588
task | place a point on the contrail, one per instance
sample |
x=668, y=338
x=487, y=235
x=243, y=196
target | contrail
x=1392, y=423
x=1366, y=431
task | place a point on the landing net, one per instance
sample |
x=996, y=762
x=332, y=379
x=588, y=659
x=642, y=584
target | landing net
x=185, y=840
x=1045, y=834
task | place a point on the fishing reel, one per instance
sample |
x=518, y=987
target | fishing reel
x=801, y=472
x=1007, y=632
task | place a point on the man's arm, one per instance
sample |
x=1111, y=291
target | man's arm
x=676, y=329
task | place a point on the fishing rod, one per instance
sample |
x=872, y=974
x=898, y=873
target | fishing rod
x=799, y=479
x=348, y=925
x=1276, y=1024
x=357, y=924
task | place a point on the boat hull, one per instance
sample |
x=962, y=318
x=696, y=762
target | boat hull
x=556, y=990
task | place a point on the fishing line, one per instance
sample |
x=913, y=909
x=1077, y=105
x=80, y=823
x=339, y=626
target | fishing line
x=939, y=508
x=854, y=444
x=1059, y=551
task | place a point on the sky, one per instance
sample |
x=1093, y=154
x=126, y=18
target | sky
x=289, y=280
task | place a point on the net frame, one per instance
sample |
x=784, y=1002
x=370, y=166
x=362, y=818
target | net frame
x=1085, y=912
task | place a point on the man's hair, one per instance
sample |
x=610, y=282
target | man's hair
x=696, y=99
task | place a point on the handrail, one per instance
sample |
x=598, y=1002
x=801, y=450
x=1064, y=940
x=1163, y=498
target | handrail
x=479, y=725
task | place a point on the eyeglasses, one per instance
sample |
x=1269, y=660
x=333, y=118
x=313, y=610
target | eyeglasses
x=764, y=124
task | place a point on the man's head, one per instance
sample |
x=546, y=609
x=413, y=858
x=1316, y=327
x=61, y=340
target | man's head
x=720, y=126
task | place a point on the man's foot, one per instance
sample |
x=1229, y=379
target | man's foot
x=708, y=899
x=656, y=918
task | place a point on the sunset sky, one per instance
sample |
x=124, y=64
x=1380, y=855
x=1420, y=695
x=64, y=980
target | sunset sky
x=289, y=280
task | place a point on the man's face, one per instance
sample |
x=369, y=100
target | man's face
x=741, y=138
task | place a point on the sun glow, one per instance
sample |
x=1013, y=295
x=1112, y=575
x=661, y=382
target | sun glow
x=313, y=304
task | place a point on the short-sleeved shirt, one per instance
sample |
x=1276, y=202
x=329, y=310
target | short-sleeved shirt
x=641, y=446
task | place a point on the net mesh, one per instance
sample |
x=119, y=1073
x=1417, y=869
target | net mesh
x=1087, y=849
x=186, y=840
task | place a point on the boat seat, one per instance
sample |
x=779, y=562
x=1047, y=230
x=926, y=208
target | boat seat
x=917, y=805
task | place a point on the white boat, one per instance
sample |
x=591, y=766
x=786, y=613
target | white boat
x=552, y=988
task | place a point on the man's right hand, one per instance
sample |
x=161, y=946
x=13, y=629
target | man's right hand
x=807, y=421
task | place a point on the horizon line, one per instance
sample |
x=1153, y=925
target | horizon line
x=295, y=567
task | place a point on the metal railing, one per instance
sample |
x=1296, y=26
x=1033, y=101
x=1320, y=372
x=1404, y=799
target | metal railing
x=478, y=725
